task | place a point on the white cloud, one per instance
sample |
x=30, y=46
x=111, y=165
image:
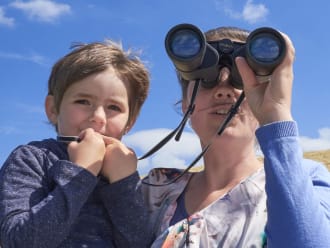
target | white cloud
x=4, y=20
x=181, y=154
x=316, y=144
x=174, y=154
x=30, y=109
x=42, y=10
x=251, y=12
x=7, y=130
x=35, y=58
x=226, y=7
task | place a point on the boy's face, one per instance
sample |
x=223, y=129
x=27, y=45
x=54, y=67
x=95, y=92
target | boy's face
x=99, y=101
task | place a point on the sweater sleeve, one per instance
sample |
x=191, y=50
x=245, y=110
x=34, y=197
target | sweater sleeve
x=128, y=213
x=298, y=191
x=33, y=214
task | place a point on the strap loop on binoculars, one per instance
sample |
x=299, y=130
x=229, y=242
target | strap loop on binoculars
x=181, y=126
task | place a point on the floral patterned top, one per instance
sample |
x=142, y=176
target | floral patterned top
x=284, y=204
x=237, y=219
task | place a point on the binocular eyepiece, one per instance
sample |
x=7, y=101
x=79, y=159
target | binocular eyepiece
x=196, y=58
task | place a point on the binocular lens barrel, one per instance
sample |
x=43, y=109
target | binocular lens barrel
x=185, y=44
x=195, y=58
x=265, y=49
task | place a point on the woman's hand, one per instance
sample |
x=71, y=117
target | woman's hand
x=270, y=101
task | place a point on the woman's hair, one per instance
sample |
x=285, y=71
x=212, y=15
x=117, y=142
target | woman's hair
x=232, y=33
x=87, y=59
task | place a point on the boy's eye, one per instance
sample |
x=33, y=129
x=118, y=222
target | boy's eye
x=114, y=107
x=82, y=101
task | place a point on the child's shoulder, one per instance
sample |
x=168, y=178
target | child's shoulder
x=36, y=151
x=46, y=146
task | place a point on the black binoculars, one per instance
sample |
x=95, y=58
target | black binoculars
x=196, y=58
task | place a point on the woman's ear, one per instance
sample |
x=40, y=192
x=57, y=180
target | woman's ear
x=184, y=105
x=50, y=109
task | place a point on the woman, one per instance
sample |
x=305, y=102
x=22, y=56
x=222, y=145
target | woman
x=239, y=200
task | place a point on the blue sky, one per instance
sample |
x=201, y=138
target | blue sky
x=35, y=33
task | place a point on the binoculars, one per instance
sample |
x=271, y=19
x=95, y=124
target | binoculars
x=196, y=58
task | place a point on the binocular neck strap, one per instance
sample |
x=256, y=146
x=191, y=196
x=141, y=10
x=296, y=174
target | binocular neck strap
x=180, y=127
x=230, y=115
x=189, y=111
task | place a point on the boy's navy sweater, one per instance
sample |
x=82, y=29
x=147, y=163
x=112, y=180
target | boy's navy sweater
x=47, y=201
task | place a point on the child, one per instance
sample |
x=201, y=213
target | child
x=80, y=193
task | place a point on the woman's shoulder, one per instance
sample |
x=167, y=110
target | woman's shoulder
x=165, y=183
x=165, y=173
x=166, y=176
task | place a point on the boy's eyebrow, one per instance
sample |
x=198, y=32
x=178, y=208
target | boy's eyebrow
x=114, y=99
x=80, y=94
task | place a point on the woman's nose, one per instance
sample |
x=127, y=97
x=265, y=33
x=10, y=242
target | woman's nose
x=223, y=91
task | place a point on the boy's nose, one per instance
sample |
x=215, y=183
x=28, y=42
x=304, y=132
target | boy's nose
x=98, y=115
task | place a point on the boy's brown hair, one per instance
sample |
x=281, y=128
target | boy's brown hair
x=87, y=59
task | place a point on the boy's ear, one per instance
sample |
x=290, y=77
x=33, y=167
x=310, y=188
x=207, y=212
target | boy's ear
x=129, y=125
x=50, y=109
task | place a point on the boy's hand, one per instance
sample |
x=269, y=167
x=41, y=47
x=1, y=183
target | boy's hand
x=89, y=152
x=119, y=161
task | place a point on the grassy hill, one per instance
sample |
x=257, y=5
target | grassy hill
x=320, y=156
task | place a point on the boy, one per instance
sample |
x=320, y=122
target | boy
x=80, y=193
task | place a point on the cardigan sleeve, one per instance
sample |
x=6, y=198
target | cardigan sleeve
x=298, y=191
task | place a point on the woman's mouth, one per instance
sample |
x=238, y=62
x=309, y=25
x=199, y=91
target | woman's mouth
x=221, y=112
x=222, y=109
